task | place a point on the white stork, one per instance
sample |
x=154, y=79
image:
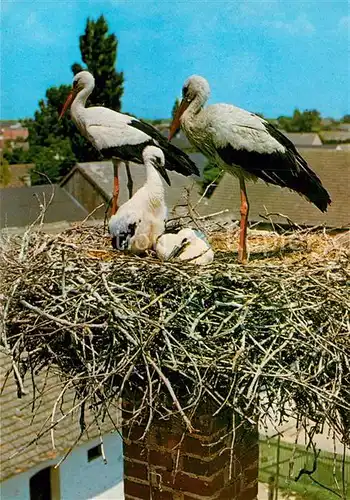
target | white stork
x=118, y=136
x=187, y=245
x=245, y=145
x=138, y=222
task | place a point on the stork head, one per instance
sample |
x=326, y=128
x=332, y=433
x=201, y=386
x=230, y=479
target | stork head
x=186, y=235
x=82, y=80
x=182, y=240
x=154, y=156
x=195, y=87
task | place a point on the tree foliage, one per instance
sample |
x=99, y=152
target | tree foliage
x=5, y=172
x=56, y=145
x=212, y=174
x=175, y=108
x=301, y=121
x=53, y=160
x=99, y=53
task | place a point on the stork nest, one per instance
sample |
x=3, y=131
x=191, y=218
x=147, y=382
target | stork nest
x=166, y=336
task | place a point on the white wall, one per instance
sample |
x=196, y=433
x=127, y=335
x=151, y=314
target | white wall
x=79, y=479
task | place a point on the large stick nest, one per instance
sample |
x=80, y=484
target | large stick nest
x=272, y=336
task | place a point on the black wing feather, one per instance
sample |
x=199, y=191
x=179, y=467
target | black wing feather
x=175, y=159
x=287, y=169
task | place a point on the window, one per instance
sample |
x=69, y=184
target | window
x=40, y=485
x=94, y=452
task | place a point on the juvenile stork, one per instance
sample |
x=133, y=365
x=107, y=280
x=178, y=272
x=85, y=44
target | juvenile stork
x=245, y=145
x=187, y=245
x=140, y=221
x=119, y=137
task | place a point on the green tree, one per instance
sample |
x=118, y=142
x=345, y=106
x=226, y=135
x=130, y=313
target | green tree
x=5, y=172
x=55, y=145
x=301, y=121
x=175, y=108
x=16, y=155
x=211, y=175
x=54, y=160
x=99, y=53
x=346, y=119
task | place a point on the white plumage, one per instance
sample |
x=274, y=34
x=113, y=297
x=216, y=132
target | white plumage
x=120, y=137
x=141, y=220
x=187, y=245
x=245, y=145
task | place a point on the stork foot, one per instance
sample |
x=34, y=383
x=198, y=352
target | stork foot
x=242, y=258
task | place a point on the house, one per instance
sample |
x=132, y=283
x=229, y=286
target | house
x=336, y=136
x=90, y=184
x=20, y=206
x=333, y=167
x=303, y=139
x=13, y=134
x=344, y=126
x=29, y=468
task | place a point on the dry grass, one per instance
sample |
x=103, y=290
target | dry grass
x=166, y=336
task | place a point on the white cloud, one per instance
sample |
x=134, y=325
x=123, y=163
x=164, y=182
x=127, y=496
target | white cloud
x=299, y=26
x=253, y=8
x=344, y=23
x=35, y=30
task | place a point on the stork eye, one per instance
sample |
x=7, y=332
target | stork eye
x=184, y=91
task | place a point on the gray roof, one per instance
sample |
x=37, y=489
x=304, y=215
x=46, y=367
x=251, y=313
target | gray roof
x=333, y=167
x=303, y=138
x=21, y=206
x=336, y=135
x=20, y=426
x=100, y=174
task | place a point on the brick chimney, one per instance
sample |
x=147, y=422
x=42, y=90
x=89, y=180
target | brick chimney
x=171, y=464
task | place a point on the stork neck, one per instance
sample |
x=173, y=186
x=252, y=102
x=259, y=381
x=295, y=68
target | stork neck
x=194, y=108
x=154, y=181
x=80, y=99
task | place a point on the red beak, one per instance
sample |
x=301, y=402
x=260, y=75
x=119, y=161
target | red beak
x=174, y=127
x=68, y=102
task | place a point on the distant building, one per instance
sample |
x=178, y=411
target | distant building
x=303, y=139
x=333, y=167
x=343, y=146
x=13, y=135
x=90, y=184
x=336, y=135
x=344, y=126
x=20, y=206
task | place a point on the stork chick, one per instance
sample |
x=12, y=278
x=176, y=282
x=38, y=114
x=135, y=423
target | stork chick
x=141, y=220
x=187, y=245
x=120, y=137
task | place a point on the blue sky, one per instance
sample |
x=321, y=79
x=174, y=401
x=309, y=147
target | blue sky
x=267, y=56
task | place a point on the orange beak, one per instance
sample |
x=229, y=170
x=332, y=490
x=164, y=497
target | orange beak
x=68, y=102
x=174, y=127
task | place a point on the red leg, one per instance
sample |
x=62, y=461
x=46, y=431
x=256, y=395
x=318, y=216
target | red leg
x=115, y=187
x=242, y=248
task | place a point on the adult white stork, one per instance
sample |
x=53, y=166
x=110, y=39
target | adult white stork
x=141, y=220
x=118, y=136
x=245, y=145
x=187, y=245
